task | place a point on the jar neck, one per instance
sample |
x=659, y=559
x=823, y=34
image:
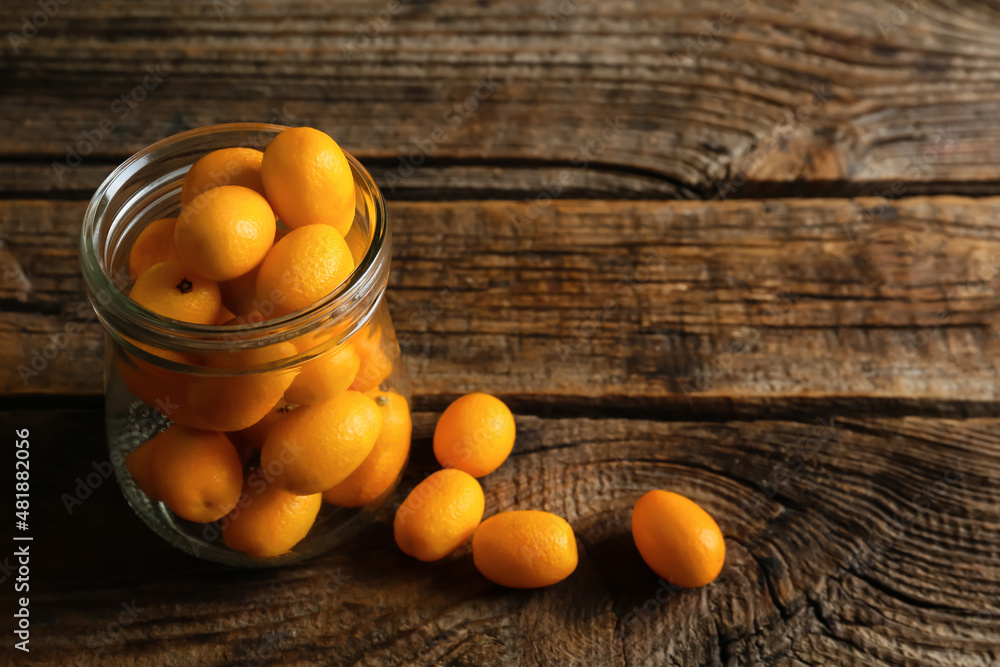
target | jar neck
x=147, y=186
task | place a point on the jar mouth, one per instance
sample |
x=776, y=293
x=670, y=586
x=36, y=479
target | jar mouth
x=144, y=186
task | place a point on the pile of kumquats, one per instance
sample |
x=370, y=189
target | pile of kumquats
x=273, y=231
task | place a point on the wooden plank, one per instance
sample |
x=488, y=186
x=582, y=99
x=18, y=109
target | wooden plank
x=698, y=97
x=438, y=180
x=857, y=541
x=638, y=306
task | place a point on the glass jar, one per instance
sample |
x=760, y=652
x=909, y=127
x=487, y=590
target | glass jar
x=160, y=371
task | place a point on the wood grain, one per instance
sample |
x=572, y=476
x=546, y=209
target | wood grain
x=816, y=368
x=852, y=541
x=703, y=95
x=752, y=307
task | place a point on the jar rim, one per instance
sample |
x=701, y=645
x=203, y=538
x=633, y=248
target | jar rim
x=125, y=318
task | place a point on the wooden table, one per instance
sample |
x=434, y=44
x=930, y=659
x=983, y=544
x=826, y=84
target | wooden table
x=744, y=251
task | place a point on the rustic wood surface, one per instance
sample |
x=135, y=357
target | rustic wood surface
x=744, y=250
x=849, y=541
x=702, y=91
x=762, y=306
